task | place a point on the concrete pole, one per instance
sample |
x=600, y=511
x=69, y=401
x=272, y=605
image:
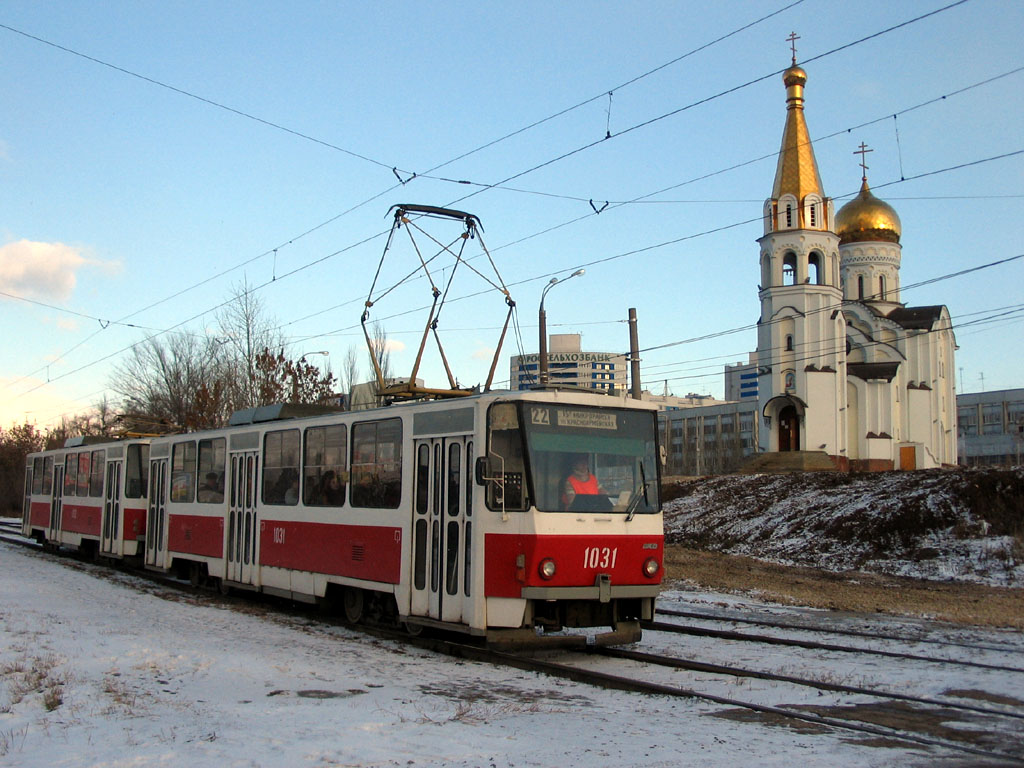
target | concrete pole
x=542, y=359
x=634, y=356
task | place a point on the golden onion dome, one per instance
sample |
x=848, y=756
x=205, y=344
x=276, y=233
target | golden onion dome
x=866, y=218
x=794, y=76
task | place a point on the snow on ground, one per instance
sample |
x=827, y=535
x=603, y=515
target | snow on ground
x=964, y=525
x=96, y=672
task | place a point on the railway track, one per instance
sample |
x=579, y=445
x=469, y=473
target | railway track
x=724, y=634
x=632, y=671
x=576, y=669
x=832, y=630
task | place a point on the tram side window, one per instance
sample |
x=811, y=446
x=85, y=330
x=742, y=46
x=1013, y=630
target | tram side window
x=183, y=472
x=324, y=465
x=135, y=473
x=48, y=475
x=37, y=475
x=71, y=474
x=505, y=465
x=377, y=464
x=99, y=459
x=281, y=467
x=211, y=470
x=84, y=462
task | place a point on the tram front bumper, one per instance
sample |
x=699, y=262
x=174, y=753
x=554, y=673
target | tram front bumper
x=602, y=591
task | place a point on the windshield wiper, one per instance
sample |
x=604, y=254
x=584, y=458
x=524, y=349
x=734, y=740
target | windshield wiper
x=639, y=493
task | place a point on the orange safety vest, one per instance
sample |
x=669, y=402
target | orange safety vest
x=586, y=487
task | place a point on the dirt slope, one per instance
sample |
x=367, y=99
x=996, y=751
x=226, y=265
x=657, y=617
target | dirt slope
x=965, y=525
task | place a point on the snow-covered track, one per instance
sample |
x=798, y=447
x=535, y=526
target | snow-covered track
x=578, y=672
x=832, y=629
x=726, y=634
x=735, y=671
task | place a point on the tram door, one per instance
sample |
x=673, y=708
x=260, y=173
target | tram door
x=56, y=501
x=442, y=527
x=156, y=515
x=111, y=542
x=242, y=529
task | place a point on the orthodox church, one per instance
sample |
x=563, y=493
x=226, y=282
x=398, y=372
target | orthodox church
x=844, y=367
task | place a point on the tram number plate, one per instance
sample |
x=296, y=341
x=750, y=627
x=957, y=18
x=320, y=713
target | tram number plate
x=600, y=557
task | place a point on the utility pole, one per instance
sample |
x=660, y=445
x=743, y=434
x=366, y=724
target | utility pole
x=634, y=356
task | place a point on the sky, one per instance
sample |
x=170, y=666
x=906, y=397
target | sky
x=154, y=157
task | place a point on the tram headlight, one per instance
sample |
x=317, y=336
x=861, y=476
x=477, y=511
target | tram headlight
x=651, y=568
x=546, y=569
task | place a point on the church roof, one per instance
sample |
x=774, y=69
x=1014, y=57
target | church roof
x=797, y=171
x=916, y=318
x=870, y=371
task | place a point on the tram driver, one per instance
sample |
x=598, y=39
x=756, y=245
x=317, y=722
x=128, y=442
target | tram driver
x=581, y=482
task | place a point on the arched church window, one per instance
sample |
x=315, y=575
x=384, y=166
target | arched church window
x=814, y=268
x=881, y=287
x=789, y=215
x=860, y=287
x=789, y=269
x=789, y=342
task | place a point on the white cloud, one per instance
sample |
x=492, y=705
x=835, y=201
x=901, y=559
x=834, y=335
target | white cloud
x=393, y=345
x=45, y=271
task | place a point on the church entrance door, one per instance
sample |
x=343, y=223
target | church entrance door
x=789, y=429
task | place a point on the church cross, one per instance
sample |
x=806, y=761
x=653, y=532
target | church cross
x=863, y=151
x=793, y=37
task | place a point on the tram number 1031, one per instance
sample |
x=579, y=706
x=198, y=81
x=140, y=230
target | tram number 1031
x=600, y=557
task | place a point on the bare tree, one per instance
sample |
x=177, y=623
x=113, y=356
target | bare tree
x=349, y=371
x=246, y=331
x=379, y=353
x=160, y=381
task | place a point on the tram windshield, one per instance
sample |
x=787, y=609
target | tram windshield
x=574, y=458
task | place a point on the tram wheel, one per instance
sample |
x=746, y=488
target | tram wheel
x=353, y=601
x=413, y=629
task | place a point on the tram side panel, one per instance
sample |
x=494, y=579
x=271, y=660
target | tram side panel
x=82, y=498
x=194, y=512
x=326, y=517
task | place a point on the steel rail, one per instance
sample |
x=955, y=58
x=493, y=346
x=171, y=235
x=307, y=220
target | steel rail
x=618, y=682
x=721, y=669
x=724, y=634
x=851, y=632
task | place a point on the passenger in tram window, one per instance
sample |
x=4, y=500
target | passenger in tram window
x=582, y=482
x=210, y=491
x=331, y=492
x=291, y=496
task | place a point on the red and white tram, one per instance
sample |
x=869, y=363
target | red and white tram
x=449, y=513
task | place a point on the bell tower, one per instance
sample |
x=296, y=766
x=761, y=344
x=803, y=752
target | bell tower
x=801, y=336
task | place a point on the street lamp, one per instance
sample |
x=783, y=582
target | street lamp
x=543, y=357
x=295, y=372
